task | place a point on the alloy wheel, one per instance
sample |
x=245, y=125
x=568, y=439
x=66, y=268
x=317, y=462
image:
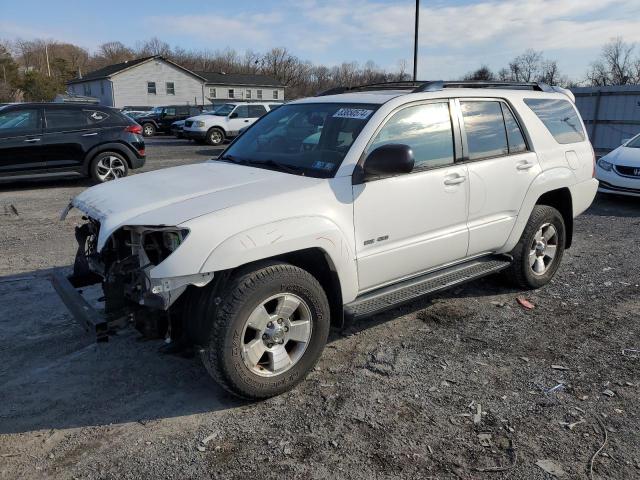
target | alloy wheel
x=110, y=168
x=276, y=334
x=543, y=249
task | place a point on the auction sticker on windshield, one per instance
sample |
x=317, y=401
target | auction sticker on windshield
x=357, y=113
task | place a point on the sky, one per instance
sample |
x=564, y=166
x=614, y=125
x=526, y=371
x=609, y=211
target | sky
x=456, y=36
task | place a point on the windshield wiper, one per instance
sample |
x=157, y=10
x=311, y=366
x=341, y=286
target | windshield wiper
x=277, y=165
x=232, y=159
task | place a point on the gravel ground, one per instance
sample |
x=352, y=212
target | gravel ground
x=466, y=385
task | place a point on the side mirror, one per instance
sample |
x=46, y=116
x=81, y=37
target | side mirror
x=233, y=115
x=387, y=160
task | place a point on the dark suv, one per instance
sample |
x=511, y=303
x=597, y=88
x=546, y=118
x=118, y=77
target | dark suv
x=160, y=118
x=52, y=139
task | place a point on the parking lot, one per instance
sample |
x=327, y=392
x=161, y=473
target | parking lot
x=468, y=384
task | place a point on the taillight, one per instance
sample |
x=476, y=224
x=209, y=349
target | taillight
x=141, y=152
x=593, y=152
x=137, y=129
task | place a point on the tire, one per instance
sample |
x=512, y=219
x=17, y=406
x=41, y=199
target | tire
x=108, y=166
x=534, y=262
x=262, y=297
x=148, y=129
x=215, y=136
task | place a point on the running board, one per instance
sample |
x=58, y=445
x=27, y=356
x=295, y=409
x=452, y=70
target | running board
x=409, y=290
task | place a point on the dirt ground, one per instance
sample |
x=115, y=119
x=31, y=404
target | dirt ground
x=466, y=385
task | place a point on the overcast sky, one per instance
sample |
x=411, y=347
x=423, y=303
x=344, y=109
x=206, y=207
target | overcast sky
x=456, y=36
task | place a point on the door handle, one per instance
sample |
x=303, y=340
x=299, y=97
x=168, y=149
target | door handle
x=455, y=180
x=525, y=165
x=32, y=140
x=90, y=134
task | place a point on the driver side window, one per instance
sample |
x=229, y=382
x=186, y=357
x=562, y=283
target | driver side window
x=242, y=111
x=426, y=129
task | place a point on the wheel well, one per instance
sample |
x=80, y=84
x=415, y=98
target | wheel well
x=561, y=200
x=120, y=151
x=317, y=263
x=216, y=127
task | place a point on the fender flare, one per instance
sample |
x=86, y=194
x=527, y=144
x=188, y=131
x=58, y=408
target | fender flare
x=151, y=121
x=546, y=181
x=284, y=237
x=107, y=147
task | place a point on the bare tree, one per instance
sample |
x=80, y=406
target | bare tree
x=526, y=67
x=615, y=66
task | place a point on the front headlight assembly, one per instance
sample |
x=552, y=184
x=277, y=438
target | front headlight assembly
x=159, y=244
x=606, y=166
x=198, y=123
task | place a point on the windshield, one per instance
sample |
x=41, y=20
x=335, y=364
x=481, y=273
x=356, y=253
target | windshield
x=634, y=143
x=223, y=110
x=307, y=139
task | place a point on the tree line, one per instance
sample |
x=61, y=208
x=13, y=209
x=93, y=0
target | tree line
x=37, y=70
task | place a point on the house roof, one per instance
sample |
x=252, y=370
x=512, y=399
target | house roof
x=110, y=70
x=219, y=78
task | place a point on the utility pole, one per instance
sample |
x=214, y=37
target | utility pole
x=415, y=43
x=46, y=53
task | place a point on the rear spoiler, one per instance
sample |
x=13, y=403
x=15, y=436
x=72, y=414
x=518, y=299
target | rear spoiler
x=566, y=92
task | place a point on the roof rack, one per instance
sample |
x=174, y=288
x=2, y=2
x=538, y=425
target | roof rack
x=437, y=85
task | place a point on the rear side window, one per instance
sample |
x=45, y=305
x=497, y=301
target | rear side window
x=560, y=118
x=256, y=111
x=484, y=125
x=61, y=119
x=514, y=134
x=425, y=128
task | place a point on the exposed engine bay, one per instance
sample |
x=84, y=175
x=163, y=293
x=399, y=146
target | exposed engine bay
x=124, y=266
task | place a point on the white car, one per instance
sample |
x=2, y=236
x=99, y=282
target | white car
x=224, y=122
x=335, y=207
x=619, y=170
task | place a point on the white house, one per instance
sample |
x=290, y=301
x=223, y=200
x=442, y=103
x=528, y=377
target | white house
x=152, y=81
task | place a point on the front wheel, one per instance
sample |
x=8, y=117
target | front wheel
x=538, y=254
x=268, y=331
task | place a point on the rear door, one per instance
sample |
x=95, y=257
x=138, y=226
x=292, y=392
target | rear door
x=68, y=134
x=21, y=145
x=501, y=169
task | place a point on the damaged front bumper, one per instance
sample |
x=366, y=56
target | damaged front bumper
x=124, y=269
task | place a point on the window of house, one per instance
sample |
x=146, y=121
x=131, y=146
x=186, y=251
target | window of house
x=259, y=94
x=151, y=88
x=232, y=93
x=560, y=118
x=212, y=93
x=171, y=90
x=275, y=94
x=484, y=125
x=247, y=94
x=425, y=128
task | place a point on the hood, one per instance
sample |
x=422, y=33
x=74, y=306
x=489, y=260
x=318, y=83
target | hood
x=175, y=195
x=628, y=156
x=204, y=117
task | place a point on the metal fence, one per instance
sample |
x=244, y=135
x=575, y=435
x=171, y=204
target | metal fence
x=611, y=114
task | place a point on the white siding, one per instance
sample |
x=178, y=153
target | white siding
x=130, y=86
x=100, y=89
x=240, y=93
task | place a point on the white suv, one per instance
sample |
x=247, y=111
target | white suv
x=224, y=122
x=333, y=207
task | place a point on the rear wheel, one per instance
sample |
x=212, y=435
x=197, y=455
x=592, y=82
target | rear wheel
x=108, y=166
x=215, y=136
x=148, y=129
x=268, y=331
x=538, y=254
